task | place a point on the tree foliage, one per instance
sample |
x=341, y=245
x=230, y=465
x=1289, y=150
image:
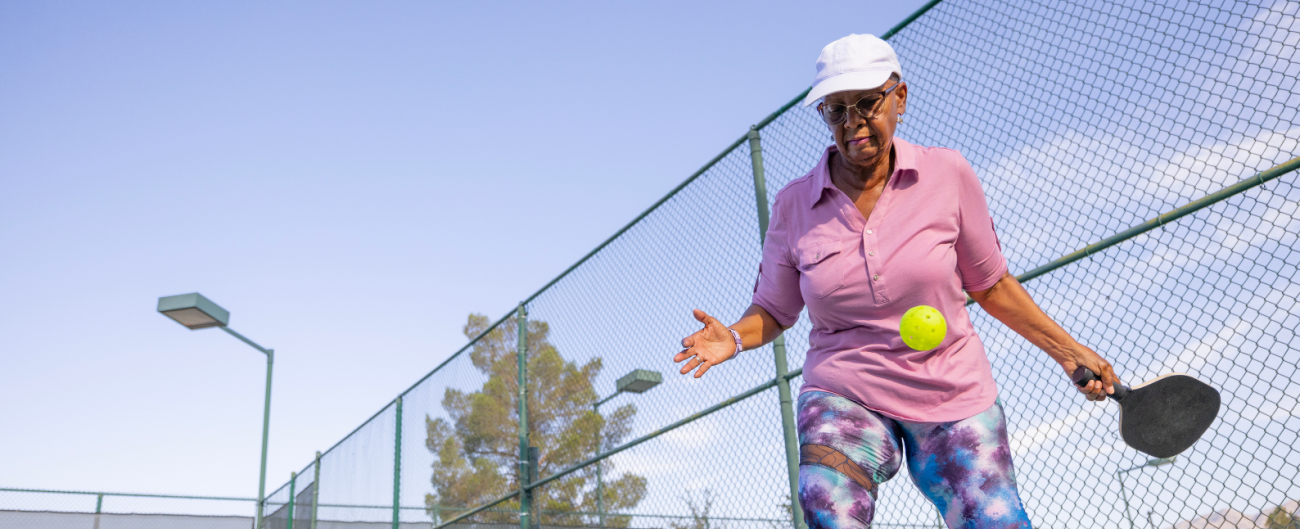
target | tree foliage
x=477, y=451
x=1280, y=518
x=701, y=504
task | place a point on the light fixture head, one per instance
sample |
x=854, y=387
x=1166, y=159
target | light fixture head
x=639, y=380
x=193, y=311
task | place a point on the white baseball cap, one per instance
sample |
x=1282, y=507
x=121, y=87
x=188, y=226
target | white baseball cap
x=855, y=62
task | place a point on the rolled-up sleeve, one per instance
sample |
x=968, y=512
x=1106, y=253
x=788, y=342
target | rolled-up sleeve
x=979, y=253
x=777, y=288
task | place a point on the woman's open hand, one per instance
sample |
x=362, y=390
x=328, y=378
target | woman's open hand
x=707, y=347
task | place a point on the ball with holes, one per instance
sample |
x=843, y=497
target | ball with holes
x=923, y=328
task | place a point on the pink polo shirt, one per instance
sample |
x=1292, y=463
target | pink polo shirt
x=929, y=238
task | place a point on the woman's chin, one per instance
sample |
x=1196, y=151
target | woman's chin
x=860, y=155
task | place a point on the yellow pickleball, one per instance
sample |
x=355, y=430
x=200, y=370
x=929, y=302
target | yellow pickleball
x=923, y=328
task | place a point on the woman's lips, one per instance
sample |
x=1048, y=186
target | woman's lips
x=858, y=142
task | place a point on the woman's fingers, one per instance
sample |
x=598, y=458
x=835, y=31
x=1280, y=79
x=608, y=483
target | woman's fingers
x=686, y=368
x=1096, y=391
x=1104, y=383
x=701, y=316
x=704, y=366
x=690, y=341
x=695, y=362
x=1108, y=377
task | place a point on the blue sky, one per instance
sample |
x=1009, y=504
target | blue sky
x=349, y=180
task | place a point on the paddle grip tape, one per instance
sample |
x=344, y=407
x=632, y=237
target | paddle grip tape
x=1082, y=376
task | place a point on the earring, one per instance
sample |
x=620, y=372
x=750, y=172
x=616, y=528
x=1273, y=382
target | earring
x=900, y=118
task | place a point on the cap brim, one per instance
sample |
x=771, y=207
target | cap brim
x=860, y=80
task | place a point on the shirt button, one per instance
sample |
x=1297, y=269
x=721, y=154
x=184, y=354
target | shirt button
x=868, y=232
x=876, y=277
x=871, y=254
x=817, y=256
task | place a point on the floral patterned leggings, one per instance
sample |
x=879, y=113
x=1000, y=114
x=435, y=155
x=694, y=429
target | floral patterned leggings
x=847, y=450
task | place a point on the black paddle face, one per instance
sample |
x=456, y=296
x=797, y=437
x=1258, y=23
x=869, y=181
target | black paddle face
x=1164, y=416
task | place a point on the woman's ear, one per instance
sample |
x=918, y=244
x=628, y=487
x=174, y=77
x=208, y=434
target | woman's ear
x=901, y=94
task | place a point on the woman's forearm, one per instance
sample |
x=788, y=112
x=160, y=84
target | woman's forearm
x=757, y=328
x=1010, y=303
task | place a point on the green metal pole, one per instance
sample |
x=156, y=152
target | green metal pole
x=521, y=353
x=600, y=481
x=315, y=490
x=600, y=493
x=266, y=428
x=397, y=469
x=778, y=345
x=293, y=482
x=99, y=505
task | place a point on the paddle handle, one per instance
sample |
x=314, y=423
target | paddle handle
x=1082, y=376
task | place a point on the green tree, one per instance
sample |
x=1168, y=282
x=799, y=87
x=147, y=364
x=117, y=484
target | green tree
x=477, y=451
x=700, y=504
x=1281, y=519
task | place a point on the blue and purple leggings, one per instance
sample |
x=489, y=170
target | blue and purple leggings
x=847, y=450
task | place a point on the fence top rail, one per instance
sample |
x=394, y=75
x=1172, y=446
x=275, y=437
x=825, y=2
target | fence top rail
x=128, y=494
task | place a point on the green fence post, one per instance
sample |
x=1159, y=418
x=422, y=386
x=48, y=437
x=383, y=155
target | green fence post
x=99, y=505
x=397, y=468
x=521, y=352
x=293, y=481
x=778, y=346
x=315, y=490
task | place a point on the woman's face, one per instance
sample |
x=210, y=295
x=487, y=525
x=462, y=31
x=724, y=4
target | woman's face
x=863, y=141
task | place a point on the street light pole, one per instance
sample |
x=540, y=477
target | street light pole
x=266, y=423
x=1124, y=494
x=638, y=381
x=197, y=312
x=600, y=482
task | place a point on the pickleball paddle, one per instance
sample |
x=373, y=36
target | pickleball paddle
x=1163, y=416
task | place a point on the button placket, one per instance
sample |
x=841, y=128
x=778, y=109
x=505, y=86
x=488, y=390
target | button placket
x=869, y=237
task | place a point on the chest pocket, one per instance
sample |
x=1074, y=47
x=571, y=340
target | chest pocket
x=822, y=268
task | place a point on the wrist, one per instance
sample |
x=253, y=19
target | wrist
x=740, y=346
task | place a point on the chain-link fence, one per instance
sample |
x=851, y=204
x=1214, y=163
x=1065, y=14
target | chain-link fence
x=1138, y=158
x=57, y=509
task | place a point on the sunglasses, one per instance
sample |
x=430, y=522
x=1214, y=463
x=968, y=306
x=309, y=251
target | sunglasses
x=868, y=107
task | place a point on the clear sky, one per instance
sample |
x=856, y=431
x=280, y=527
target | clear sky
x=349, y=179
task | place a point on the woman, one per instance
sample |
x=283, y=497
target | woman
x=877, y=227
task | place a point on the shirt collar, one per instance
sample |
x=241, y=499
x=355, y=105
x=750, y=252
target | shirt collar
x=904, y=166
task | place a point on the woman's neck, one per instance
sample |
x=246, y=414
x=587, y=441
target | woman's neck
x=849, y=176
